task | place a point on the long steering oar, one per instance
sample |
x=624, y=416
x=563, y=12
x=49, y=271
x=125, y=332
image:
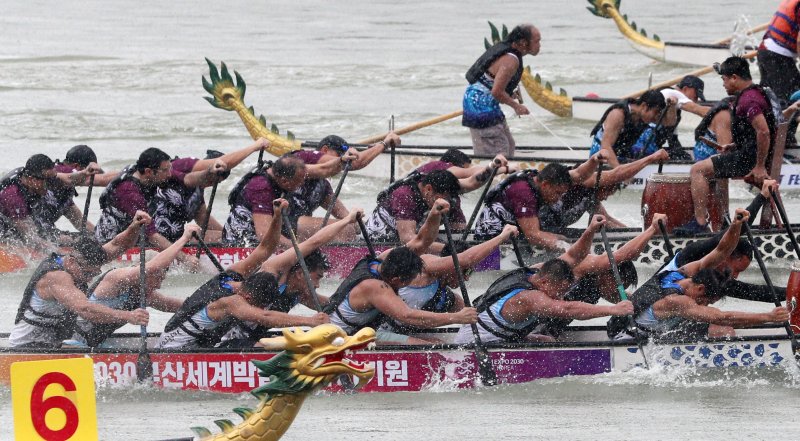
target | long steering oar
x=208, y=252
x=88, y=202
x=345, y=170
x=785, y=219
x=485, y=369
x=144, y=366
x=622, y=294
x=474, y=215
x=775, y=297
x=302, y=261
x=415, y=126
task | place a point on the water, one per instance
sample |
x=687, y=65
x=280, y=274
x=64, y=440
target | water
x=122, y=77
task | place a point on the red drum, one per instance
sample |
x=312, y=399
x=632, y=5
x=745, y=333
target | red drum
x=793, y=297
x=671, y=194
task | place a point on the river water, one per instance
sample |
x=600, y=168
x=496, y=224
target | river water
x=122, y=76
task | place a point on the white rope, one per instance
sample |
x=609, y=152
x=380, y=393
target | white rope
x=551, y=132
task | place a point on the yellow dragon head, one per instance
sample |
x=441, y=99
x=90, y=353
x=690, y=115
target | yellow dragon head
x=313, y=359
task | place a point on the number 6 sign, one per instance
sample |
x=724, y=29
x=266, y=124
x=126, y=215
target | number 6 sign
x=54, y=400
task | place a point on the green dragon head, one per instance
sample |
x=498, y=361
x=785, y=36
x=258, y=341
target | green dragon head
x=313, y=359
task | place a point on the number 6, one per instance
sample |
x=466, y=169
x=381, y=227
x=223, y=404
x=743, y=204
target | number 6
x=40, y=407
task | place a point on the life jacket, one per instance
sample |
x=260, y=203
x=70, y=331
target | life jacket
x=63, y=325
x=483, y=63
x=209, y=292
x=236, y=196
x=784, y=25
x=528, y=174
x=585, y=291
x=576, y=201
x=108, y=204
x=409, y=180
x=442, y=301
x=631, y=130
x=96, y=333
x=702, y=129
x=360, y=273
x=744, y=135
x=13, y=178
x=513, y=280
x=248, y=333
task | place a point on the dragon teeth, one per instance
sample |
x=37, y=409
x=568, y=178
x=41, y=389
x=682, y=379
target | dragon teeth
x=372, y=345
x=320, y=361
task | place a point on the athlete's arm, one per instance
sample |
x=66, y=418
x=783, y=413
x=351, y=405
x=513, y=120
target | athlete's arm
x=268, y=242
x=127, y=239
x=61, y=287
x=383, y=298
x=683, y=306
x=538, y=303
x=238, y=307
x=436, y=266
x=725, y=247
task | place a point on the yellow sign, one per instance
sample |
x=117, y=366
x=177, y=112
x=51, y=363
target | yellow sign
x=54, y=400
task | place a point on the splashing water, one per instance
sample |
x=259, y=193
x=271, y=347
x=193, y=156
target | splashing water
x=742, y=38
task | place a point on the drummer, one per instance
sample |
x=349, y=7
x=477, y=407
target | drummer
x=674, y=303
x=523, y=299
x=619, y=131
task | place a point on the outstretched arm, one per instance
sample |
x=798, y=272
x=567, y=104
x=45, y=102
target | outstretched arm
x=233, y=158
x=683, y=306
x=724, y=248
x=367, y=156
x=438, y=266
x=127, y=239
x=581, y=248
x=430, y=229
x=268, y=243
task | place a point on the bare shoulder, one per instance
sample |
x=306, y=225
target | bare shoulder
x=374, y=287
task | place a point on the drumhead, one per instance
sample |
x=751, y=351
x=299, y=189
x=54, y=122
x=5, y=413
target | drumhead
x=669, y=178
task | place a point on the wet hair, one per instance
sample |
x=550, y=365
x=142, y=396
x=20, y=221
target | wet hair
x=316, y=261
x=627, y=272
x=402, y=263
x=557, y=269
x=261, y=286
x=734, y=66
x=460, y=247
x=522, y=32
x=455, y=157
x=652, y=99
x=443, y=182
x=82, y=155
x=151, y=158
x=90, y=250
x=287, y=166
x=555, y=174
x=36, y=165
x=713, y=281
x=743, y=248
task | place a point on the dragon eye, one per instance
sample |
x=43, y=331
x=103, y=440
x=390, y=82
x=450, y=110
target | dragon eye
x=338, y=341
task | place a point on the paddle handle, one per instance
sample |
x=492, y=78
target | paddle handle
x=364, y=234
x=517, y=250
x=208, y=252
x=85, y=218
x=785, y=219
x=204, y=227
x=665, y=236
x=474, y=215
x=302, y=261
x=328, y=212
x=595, y=195
x=142, y=274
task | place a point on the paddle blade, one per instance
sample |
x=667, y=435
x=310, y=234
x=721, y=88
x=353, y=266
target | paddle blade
x=144, y=367
x=485, y=369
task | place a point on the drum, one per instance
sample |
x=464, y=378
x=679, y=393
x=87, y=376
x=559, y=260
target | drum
x=671, y=194
x=793, y=297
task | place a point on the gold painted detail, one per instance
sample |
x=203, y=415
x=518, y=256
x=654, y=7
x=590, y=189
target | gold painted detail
x=637, y=37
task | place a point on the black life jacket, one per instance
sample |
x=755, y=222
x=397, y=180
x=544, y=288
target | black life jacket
x=410, y=180
x=631, y=130
x=360, y=273
x=106, y=200
x=13, y=178
x=702, y=128
x=585, y=291
x=209, y=292
x=576, y=201
x=63, y=325
x=744, y=135
x=96, y=333
x=441, y=302
x=236, y=196
x=483, y=63
x=514, y=279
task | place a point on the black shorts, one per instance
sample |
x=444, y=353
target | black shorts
x=779, y=73
x=735, y=164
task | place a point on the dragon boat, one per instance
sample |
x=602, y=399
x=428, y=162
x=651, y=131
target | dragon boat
x=582, y=350
x=690, y=54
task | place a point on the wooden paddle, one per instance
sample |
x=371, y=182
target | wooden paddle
x=622, y=294
x=144, y=366
x=474, y=215
x=485, y=369
x=302, y=261
x=415, y=126
x=665, y=236
x=204, y=227
x=776, y=298
x=786, y=225
x=676, y=80
x=391, y=152
x=345, y=170
x=88, y=202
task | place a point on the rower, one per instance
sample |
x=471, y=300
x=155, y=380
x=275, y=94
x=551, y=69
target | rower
x=401, y=207
x=470, y=177
x=292, y=287
x=370, y=293
x=331, y=153
x=431, y=289
x=594, y=277
x=178, y=202
x=21, y=192
x=583, y=194
x=674, y=303
x=522, y=299
x=684, y=96
x=619, y=131
x=517, y=199
x=57, y=292
x=239, y=294
x=135, y=189
x=75, y=170
x=494, y=79
x=753, y=126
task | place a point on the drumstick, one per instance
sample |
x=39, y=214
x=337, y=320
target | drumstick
x=713, y=144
